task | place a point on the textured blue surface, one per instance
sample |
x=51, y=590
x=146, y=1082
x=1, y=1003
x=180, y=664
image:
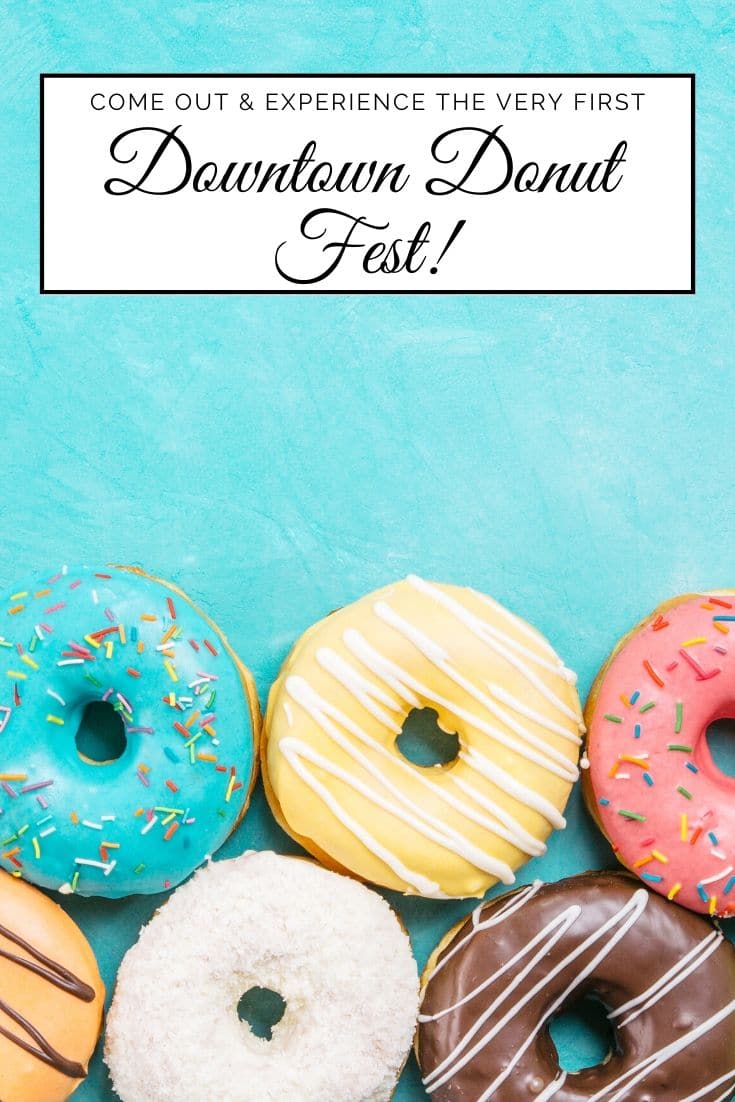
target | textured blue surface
x=278, y=457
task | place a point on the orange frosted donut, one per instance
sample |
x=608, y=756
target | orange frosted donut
x=51, y=997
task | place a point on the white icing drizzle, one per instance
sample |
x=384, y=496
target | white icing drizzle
x=520, y=836
x=413, y=815
x=416, y=880
x=367, y=692
x=546, y=937
x=684, y=967
x=387, y=696
x=520, y=625
x=520, y=792
x=431, y=650
x=393, y=675
x=711, y=1087
x=322, y=712
x=725, y=1094
x=623, y=1084
x=327, y=716
x=517, y=705
x=481, y=627
x=461, y=1054
x=553, y=1088
x=505, y=911
x=548, y=757
x=490, y=636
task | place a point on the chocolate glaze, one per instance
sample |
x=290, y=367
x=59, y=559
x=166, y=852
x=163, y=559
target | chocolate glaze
x=654, y=943
x=57, y=975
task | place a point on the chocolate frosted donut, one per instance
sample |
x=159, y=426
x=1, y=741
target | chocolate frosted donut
x=665, y=976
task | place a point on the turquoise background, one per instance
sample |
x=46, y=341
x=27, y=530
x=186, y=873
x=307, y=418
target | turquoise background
x=277, y=457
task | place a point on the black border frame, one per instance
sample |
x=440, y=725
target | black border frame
x=369, y=75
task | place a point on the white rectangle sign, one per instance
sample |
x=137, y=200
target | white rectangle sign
x=369, y=183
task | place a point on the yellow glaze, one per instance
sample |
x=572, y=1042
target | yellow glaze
x=337, y=782
x=69, y=1024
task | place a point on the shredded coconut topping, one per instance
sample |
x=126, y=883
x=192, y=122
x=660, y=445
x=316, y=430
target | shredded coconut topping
x=332, y=948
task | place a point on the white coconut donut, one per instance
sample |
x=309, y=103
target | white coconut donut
x=332, y=948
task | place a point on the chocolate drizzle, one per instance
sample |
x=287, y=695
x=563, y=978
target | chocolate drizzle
x=47, y=968
x=54, y=973
x=45, y=1051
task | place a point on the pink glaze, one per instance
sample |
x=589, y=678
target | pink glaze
x=700, y=678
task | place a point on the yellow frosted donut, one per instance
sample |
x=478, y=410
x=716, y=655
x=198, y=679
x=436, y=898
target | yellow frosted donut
x=337, y=782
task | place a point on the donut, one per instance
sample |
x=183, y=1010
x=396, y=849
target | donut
x=665, y=976
x=51, y=997
x=652, y=785
x=181, y=704
x=330, y=947
x=338, y=783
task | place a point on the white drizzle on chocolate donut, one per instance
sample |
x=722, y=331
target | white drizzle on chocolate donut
x=587, y=934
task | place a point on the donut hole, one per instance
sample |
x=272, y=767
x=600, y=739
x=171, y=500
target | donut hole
x=422, y=741
x=582, y=1035
x=261, y=1009
x=100, y=737
x=720, y=737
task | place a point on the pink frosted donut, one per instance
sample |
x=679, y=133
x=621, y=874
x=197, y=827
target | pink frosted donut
x=652, y=785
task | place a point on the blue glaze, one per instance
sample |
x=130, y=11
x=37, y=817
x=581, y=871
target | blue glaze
x=54, y=684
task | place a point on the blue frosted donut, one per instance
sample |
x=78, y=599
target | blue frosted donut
x=171, y=691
